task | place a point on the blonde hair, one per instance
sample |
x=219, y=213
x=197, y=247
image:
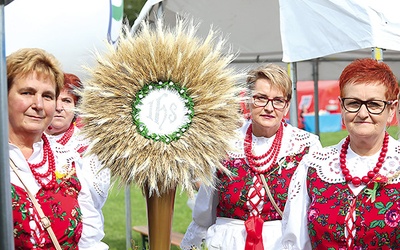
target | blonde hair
x=278, y=77
x=28, y=60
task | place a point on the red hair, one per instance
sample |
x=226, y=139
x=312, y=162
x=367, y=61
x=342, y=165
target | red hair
x=72, y=82
x=370, y=71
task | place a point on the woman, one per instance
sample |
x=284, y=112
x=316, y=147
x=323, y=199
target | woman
x=34, y=81
x=240, y=214
x=63, y=127
x=347, y=196
x=64, y=133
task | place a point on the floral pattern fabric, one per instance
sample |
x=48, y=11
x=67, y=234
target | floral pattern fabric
x=59, y=204
x=377, y=224
x=324, y=212
x=234, y=189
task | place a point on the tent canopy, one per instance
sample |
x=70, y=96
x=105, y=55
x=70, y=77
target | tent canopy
x=259, y=29
x=317, y=28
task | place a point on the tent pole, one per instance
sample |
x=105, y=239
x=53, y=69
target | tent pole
x=316, y=91
x=6, y=221
x=293, y=112
x=128, y=218
x=160, y=10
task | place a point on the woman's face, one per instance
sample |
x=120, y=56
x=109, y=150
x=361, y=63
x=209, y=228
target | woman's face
x=266, y=120
x=363, y=124
x=64, y=113
x=31, y=106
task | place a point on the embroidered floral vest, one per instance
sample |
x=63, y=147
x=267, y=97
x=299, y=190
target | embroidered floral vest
x=377, y=223
x=234, y=190
x=60, y=204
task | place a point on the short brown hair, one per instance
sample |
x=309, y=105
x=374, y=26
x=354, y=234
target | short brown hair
x=278, y=77
x=25, y=61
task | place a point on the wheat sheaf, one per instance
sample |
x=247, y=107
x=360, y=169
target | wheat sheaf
x=156, y=54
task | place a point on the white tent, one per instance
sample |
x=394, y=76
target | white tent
x=253, y=27
x=317, y=28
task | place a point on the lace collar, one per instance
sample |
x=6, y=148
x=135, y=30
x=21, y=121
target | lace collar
x=326, y=162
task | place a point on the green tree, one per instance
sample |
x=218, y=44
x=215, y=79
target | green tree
x=132, y=9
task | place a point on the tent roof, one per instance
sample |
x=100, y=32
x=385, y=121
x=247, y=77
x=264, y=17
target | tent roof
x=254, y=29
x=312, y=29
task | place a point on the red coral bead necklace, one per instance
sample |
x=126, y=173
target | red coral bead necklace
x=356, y=181
x=50, y=173
x=67, y=135
x=257, y=161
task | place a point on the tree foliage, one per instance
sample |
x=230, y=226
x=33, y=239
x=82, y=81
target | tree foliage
x=132, y=9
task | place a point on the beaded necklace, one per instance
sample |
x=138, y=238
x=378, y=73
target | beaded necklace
x=67, y=135
x=356, y=181
x=50, y=173
x=257, y=161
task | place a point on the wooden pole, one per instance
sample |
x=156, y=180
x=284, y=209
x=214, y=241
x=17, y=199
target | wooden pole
x=160, y=211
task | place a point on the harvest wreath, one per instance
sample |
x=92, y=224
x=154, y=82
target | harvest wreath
x=160, y=108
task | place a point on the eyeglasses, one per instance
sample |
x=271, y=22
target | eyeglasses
x=277, y=103
x=374, y=107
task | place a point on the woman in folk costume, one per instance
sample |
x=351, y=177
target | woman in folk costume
x=63, y=128
x=64, y=131
x=244, y=211
x=346, y=196
x=51, y=202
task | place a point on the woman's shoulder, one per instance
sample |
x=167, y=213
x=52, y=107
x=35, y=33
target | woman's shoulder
x=297, y=140
x=300, y=134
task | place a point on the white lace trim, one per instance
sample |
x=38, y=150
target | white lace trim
x=97, y=176
x=327, y=163
x=194, y=236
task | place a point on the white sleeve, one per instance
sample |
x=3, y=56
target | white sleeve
x=204, y=215
x=93, y=227
x=98, y=179
x=315, y=145
x=294, y=220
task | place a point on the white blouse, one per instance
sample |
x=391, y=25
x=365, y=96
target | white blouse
x=97, y=177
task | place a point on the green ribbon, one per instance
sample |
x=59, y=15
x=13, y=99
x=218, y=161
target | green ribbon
x=372, y=192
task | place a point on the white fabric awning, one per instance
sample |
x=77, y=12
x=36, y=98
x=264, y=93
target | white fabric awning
x=317, y=28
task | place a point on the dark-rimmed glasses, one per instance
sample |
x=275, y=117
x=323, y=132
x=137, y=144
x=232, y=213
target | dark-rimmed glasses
x=262, y=101
x=374, y=107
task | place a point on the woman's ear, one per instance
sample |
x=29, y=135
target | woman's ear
x=393, y=111
x=287, y=109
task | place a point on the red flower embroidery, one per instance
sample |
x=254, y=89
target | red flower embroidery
x=376, y=182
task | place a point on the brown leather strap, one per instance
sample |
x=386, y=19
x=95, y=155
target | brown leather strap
x=270, y=196
x=44, y=220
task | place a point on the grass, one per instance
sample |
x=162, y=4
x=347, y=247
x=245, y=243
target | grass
x=114, y=209
x=115, y=222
